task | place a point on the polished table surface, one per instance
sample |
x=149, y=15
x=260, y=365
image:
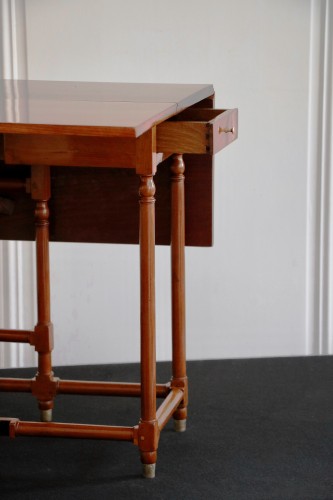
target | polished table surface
x=75, y=160
x=83, y=108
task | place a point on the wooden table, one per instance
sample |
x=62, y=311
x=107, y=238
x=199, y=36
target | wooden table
x=72, y=158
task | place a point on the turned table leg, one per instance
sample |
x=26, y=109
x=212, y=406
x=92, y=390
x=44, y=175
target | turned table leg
x=43, y=385
x=148, y=428
x=179, y=378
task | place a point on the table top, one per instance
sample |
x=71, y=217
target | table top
x=91, y=108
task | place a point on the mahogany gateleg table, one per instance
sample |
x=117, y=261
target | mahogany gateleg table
x=72, y=158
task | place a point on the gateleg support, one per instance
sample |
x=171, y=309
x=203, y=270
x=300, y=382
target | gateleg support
x=179, y=377
x=44, y=385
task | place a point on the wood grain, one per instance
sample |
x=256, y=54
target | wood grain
x=148, y=426
x=42, y=386
x=91, y=109
x=182, y=136
x=100, y=205
x=179, y=378
x=26, y=90
x=70, y=151
x=198, y=130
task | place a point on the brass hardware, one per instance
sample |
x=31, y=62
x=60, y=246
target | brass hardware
x=226, y=130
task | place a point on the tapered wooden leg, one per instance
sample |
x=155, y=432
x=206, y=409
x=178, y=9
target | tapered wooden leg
x=148, y=428
x=179, y=378
x=44, y=384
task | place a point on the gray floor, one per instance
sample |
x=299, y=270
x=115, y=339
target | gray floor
x=258, y=429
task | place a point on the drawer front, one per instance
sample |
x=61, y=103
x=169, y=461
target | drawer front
x=223, y=130
x=198, y=131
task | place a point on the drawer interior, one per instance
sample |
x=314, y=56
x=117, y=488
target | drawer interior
x=197, y=115
x=198, y=130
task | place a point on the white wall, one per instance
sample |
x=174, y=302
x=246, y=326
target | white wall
x=255, y=292
x=17, y=307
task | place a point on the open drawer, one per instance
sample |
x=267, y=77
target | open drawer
x=198, y=130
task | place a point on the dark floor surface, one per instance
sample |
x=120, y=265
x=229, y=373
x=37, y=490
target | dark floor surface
x=258, y=429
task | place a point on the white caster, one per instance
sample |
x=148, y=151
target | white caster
x=179, y=425
x=148, y=470
x=46, y=415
